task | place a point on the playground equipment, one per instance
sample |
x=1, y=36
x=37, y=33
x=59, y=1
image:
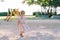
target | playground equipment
x=16, y=13
x=12, y=12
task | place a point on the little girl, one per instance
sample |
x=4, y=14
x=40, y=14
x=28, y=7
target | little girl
x=22, y=26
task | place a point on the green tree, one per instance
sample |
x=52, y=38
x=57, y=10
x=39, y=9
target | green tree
x=44, y=3
x=38, y=2
x=54, y=3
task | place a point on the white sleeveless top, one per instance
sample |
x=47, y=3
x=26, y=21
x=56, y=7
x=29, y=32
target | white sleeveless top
x=25, y=27
x=22, y=19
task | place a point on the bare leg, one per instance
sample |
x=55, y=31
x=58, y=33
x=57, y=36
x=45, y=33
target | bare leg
x=21, y=31
x=7, y=18
x=21, y=34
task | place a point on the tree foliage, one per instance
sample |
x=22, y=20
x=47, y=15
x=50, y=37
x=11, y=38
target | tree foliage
x=54, y=3
x=38, y=2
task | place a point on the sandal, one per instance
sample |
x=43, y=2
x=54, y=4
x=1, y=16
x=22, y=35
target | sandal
x=21, y=35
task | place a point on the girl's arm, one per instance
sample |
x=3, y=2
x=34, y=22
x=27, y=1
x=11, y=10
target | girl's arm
x=18, y=22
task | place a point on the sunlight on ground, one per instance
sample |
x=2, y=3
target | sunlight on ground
x=4, y=17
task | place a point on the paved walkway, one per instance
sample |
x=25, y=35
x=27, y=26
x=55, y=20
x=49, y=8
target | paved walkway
x=40, y=30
